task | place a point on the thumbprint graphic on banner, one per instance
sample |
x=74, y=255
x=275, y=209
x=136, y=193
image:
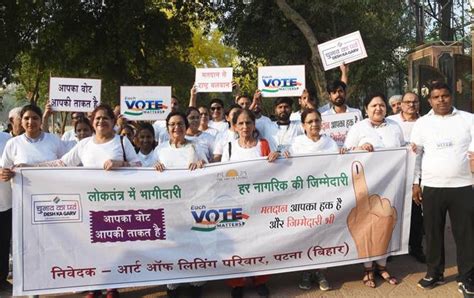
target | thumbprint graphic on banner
x=372, y=220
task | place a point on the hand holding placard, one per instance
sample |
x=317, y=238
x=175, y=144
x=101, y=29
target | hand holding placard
x=372, y=220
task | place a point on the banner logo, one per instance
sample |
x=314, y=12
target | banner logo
x=232, y=175
x=209, y=219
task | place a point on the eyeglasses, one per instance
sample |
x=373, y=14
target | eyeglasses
x=194, y=118
x=410, y=102
x=216, y=108
x=178, y=124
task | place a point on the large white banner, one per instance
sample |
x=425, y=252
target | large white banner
x=280, y=81
x=74, y=95
x=79, y=229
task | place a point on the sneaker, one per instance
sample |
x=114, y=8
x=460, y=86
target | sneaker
x=466, y=288
x=429, y=282
x=237, y=292
x=322, y=281
x=305, y=283
x=262, y=290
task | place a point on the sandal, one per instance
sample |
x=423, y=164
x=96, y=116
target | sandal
x=383, y=273
x=368, y=279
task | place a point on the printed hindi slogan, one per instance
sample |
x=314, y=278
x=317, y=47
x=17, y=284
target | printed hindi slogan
x=94, y=229
x=74, y=95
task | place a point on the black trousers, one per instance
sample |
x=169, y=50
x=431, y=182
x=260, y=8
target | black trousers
x=5, y=239
x=459, y=202
x=416, y=228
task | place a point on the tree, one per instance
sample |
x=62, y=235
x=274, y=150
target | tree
x=283, y=37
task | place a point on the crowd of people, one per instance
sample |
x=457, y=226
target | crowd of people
x=443, y=140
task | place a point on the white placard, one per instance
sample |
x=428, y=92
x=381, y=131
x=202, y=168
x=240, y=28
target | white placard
x=79, y=229
x=145, y=102
x=214, y=79
x=74, y=94
x=281, y=81
x=336, y=126
x=344, y=49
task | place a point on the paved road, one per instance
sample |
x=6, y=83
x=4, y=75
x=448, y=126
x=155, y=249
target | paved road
x=346, y=281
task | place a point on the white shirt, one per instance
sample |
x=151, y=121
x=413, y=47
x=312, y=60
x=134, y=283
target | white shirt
x=20, y=150
x=212, y=131
x=181, y=157
x=221, y=126
x=295, y=116
x=237, y=153
x=280, y=137
x=262, y=123
x=406, y=126
x=147, y=160
x=444, y=142
x=304, y=145
x=5, y=187
x=69, y=135
x=222, y=139
x=161, y=133
x=331, y=111
x=324, y=108
x=92, y=155
x=205, y=142
x=387, y=135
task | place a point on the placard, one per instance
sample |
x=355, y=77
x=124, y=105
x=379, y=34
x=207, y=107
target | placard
x=214, y=79
x=145, y=102
x=336, y=126
x=344, y=49
x=281, y=81
x=73, y=94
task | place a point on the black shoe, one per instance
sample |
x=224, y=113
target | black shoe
x=172, y=293
x=466, y=288
x=418, y=255
x=429, y=282
x=237, y=292
x=262, y=290
x=6, y=288
x=196, y=291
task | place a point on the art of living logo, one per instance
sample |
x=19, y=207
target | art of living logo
x=138, y=107
x=274, y=85
x=232, y=174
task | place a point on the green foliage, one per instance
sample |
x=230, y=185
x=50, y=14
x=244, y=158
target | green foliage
x=260, y=31
x=121, y=42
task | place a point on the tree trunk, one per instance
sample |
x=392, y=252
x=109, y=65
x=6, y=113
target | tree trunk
x=318, y=77
x=446, y=32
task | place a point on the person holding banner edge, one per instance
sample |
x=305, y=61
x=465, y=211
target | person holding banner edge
x=31, y=147
x=369, y=134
